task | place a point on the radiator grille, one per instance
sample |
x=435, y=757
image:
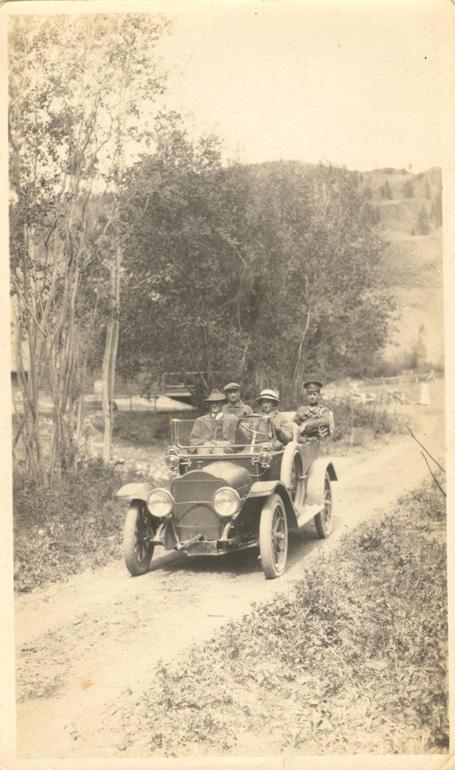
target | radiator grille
x=199, y=519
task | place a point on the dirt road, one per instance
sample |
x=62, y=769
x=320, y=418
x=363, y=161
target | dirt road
x=81, y=644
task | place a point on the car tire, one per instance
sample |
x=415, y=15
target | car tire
x=324, y=519
x=137, y=551
x=273, y=537
x=291, y=474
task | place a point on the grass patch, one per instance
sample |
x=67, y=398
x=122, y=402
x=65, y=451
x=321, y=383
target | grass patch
x=139, y=428
x=350, y=415
x=74, y=525
x=353, y=662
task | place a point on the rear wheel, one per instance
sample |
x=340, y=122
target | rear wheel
x=273, y=537
x=324, y=519
x=137, y=548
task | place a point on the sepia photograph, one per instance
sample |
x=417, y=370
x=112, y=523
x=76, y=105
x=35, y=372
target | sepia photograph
x=226, y=293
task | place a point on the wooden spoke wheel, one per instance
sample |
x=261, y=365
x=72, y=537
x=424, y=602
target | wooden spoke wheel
x=137, y=548
x=292, y=473
x=273, y=537
x=324, y=519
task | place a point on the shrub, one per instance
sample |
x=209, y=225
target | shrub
x=73, y=525
x=348, y=414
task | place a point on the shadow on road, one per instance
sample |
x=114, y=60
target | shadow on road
x=236, y=563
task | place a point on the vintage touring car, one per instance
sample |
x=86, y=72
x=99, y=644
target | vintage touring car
x=247, y=492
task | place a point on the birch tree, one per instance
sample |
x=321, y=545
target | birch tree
x=82, y=93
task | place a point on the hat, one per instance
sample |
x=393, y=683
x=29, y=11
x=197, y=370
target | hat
x=312, y=385
x=272, y=395
x=215, y=396
x=231, y=386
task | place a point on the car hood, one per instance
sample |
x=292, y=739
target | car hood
x=221, y=471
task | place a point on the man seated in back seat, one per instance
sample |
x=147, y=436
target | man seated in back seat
x=314, y=420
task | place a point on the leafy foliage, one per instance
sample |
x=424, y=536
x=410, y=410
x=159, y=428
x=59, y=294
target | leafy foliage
x=61, y=530
x=77, y=84
x=258, y=273
x=349, y=415
x=356, y=658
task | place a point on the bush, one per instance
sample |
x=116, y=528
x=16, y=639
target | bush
x=348, y=414
x=139, y=428
x=73, y=525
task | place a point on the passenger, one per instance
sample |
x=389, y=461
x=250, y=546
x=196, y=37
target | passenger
x=315, y=420
x=210, y=433
x=268, y=401
x=235, y=406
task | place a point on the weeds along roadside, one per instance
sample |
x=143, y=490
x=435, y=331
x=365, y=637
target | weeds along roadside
x=74, y=525
x=355, y=659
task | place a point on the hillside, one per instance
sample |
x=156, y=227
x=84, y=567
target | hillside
x=413, y=259
x=407, y=209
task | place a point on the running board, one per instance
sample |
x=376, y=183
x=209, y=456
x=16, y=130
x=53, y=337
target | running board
x=305, y=513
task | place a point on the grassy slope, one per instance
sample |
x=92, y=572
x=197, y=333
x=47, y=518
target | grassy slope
x=413, y=262
x=354, y=661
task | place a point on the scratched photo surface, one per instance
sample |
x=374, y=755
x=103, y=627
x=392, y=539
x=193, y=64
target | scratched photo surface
x=227, y=381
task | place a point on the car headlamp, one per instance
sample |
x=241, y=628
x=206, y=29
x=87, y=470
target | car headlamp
x=264, y=455
x=172, y=457
x=226, y=501
x=160, y=502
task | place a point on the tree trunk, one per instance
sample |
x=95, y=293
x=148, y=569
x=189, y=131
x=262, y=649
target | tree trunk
x=296, y=374
x=110, y=356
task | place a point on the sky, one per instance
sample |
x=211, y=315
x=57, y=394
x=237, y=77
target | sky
x=351, y=83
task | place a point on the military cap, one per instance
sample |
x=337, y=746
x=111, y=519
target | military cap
x=215, y=395
x=312, y=384
x=231, y=386
x=270, y=394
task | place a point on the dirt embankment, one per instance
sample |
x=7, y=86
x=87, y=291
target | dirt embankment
x=82, y=644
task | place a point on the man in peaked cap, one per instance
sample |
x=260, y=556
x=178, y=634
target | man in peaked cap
x=210, y=433
x=235, y=406
x=314, y=420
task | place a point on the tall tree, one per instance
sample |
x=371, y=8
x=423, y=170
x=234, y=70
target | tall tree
x=252, y=272
x=80, y=87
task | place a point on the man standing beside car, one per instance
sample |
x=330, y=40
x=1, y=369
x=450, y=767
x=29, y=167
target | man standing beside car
x=315, y=420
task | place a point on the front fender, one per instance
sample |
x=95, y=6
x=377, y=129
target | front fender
x=263, y=490
x=134, y=491
x=315, y=484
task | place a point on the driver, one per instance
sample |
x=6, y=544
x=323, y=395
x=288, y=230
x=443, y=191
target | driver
x=314, y=420
x=210, y=433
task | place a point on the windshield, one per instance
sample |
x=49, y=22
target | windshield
x=223, y=435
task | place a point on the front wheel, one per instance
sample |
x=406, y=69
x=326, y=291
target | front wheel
x=273, y=537
x=324, y=519
x=137, y=548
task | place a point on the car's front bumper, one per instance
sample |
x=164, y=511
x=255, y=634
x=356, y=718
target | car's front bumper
x=214, y=547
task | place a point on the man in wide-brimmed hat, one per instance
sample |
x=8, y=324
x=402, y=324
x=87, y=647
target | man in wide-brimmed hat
x=211, y=433
x=314, y=420
x=235, y=406
x=268, y=401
